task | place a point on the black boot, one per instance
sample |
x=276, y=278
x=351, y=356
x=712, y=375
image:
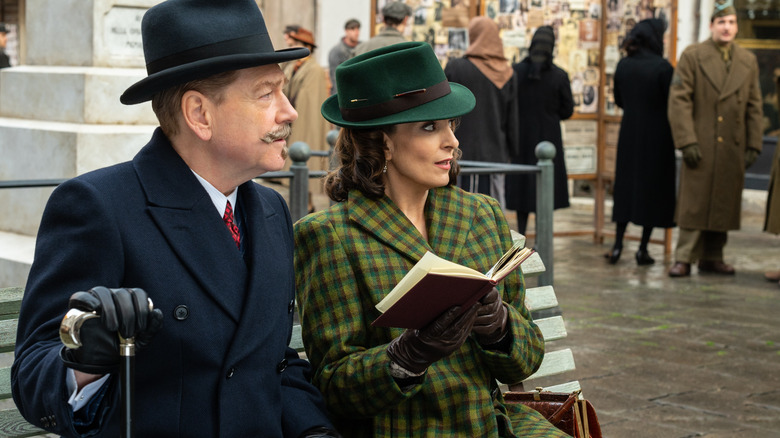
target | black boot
x=614, y=255
x=643, y=258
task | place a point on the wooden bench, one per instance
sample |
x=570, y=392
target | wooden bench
x=556, y=361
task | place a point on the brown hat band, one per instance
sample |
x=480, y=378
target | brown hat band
x=400, y=102
x=248, y=44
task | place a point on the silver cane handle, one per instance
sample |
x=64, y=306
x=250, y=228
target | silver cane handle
x=71, y=326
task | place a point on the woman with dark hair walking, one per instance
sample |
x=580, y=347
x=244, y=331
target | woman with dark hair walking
x=644, y=192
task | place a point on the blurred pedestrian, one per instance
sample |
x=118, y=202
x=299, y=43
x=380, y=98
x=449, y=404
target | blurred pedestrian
x=343, y=50
x=5, y=61
x=544, y=99
x=716, y=119
x=490, y=132
x=645, y=172
x=307, y=88
x=772, y=221
x=395, y=16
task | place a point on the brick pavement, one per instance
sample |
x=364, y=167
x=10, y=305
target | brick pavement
x=672, y=358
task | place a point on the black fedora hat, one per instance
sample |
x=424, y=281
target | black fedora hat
x=186, y=40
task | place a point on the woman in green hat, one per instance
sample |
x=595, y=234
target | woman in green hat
x=396, y=200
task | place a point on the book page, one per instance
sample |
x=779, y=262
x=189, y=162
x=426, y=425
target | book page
x=509, y=261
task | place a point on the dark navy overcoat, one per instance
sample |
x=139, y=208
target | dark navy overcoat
x=221, y=366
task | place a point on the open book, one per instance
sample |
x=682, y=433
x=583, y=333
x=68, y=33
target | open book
x=433, y=285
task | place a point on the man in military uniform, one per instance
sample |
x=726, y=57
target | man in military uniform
x=715, y=115
x=395, y=16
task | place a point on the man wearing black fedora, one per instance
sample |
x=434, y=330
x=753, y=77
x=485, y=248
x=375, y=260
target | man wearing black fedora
x=179, y=249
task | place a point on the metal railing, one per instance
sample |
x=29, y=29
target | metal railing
x=299, y=175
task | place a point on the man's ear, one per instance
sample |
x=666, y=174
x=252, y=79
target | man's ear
x=196, y=110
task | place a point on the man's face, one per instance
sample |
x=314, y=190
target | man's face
x=251, y=124
x=352, y=35
x=724, y=29
x=3, y=39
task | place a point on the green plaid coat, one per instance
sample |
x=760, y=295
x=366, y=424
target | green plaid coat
x=347, y=258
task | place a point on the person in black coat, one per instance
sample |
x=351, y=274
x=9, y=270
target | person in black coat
x=490, y=132
x=544, y=98
x=644, y=192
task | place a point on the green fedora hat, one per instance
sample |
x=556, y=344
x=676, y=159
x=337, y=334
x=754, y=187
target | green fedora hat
x=401, y=83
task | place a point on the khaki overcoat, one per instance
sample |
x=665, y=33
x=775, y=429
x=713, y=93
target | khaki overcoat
x=772, y=223
x=720, y=110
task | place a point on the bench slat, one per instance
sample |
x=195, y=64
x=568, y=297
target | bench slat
x=10, y=302
x=532, y=266
x=565, y=387
x=5, y=383
x=13, y=425
x=552, y=328
x=540, y=298
x=7, y=334
x=554, y=362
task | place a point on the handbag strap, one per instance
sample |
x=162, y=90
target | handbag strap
x=558, y=415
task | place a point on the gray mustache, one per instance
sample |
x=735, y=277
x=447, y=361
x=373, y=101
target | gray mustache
x=281, y=133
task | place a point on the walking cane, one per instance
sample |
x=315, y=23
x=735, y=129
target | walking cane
x=69, y=335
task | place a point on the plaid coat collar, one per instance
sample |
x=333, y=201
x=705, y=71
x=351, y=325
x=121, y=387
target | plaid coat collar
x=447, y=213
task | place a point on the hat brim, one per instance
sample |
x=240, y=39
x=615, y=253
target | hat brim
x=144, y=89
x=458, y=102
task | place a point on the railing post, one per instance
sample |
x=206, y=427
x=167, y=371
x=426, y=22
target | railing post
x=331, y=138
x=300, y=153
x=545, y=185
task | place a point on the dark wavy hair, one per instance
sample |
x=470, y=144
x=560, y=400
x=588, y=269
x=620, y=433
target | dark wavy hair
x=361, y=160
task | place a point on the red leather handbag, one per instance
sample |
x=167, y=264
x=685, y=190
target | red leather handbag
x=566, y=411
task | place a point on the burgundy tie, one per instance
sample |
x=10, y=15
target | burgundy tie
x=231, y=224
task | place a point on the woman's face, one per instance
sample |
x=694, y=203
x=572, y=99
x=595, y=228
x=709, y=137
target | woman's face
x=419, y=155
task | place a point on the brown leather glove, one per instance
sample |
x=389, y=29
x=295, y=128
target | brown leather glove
x=415, y=350
x=691, y=155
x=750, y=156
x=490, y=324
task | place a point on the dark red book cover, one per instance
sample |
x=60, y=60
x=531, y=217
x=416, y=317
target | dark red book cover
x=431, y=297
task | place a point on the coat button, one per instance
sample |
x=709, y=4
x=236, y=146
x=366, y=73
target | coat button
x=230, y=373
x=281, y=366
x=720, y=139
x=720, y=118
x=181, y=312
x=291, y=306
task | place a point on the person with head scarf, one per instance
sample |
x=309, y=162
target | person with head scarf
x=644, y=190
x=715, y=112
x=395, y=200
x=544, y=99
x=490, y=132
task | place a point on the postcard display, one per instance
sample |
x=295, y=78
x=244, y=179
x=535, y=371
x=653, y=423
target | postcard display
x=588, y=33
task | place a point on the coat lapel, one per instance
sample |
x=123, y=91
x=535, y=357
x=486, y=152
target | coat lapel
x=270, y=281
x=449, y=220
x=193, y=228
x=447, y=215
x=382, y=218
x=738, y=74
x=713, y=67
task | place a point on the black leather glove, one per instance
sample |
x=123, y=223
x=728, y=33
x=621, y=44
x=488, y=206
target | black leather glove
x=320, y=432
x=691, y=154
x=490, y=324
x=122, y=311
x=750, y=156
x=415, y=350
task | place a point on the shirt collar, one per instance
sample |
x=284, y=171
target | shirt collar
x=219, y=199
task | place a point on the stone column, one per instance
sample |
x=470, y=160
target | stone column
x=60, y=114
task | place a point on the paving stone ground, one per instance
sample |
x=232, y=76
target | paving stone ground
x=672, y=358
